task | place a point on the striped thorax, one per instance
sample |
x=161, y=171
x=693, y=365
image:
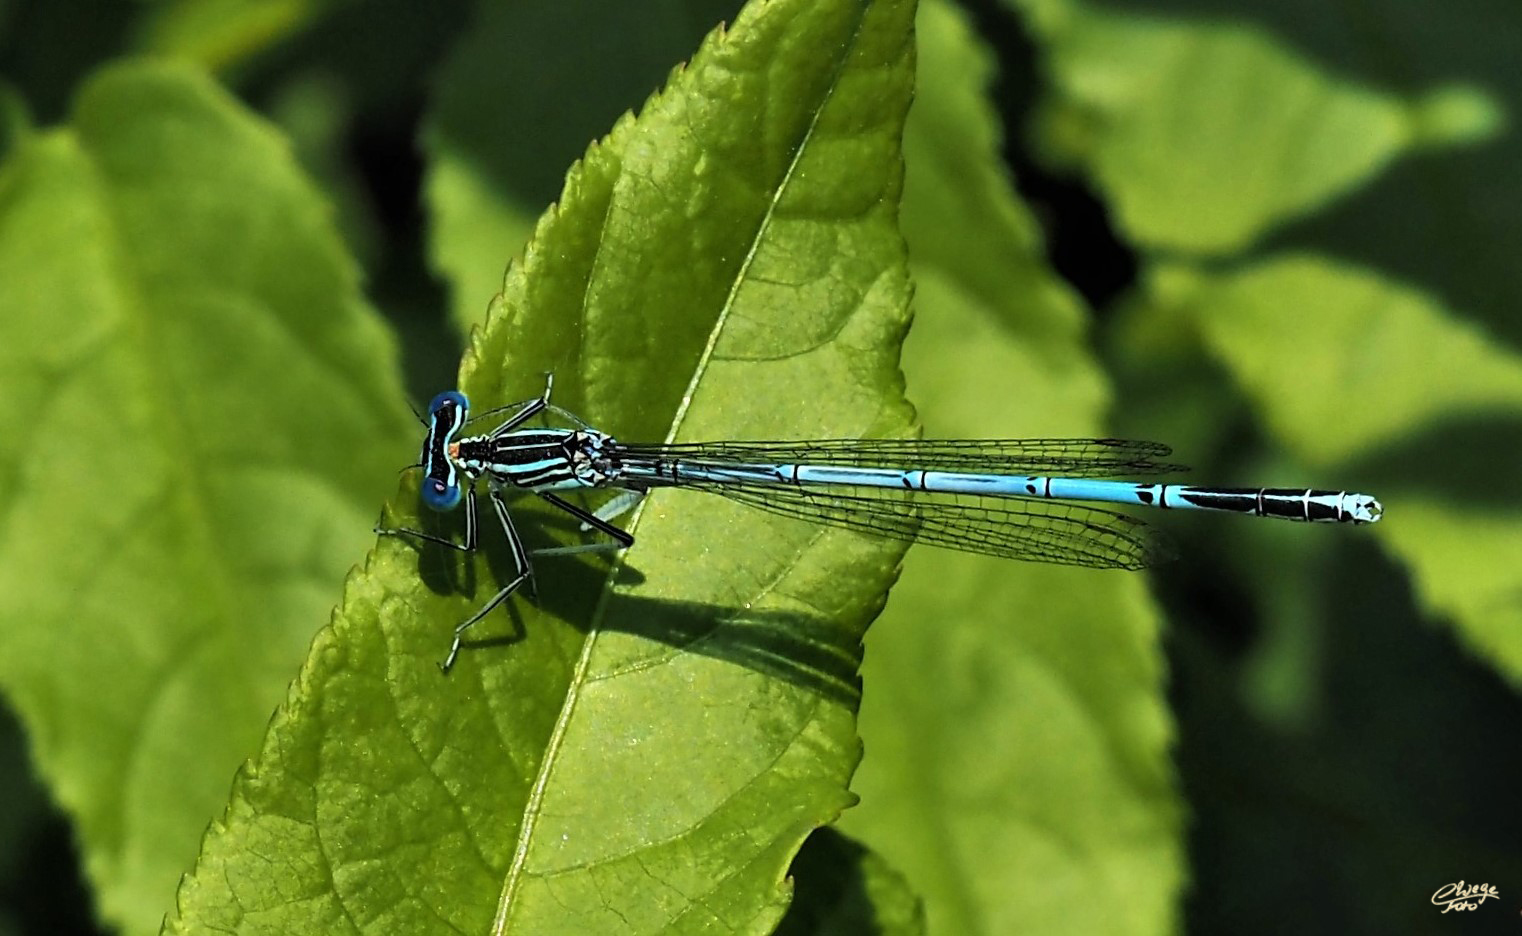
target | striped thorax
x=539, y=459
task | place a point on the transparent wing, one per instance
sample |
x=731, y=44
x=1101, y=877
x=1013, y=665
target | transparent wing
x=1031, y=530
x=1069, y=458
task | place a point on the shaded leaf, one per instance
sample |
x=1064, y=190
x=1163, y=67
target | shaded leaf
x=1206, y=135
x=201, y=410
x=48, y=50
x=501, y=135
x=1427, y=405
x=15, y=122
x=1439, y=219
x=658, y=739
x=1014, y=724
x=844, y=888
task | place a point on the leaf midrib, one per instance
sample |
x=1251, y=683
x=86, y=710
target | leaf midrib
x=553, y=745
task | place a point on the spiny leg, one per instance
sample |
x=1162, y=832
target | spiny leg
x=531, y=408
x=595, y=520
x=527, y=410
x=523, y=574
x=460, y=629
x=523, y=571
x=468, y=546
x=523, y=566
x=521, y=561
x=514, y=541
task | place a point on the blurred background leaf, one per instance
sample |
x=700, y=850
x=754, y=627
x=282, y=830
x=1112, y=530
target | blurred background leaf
x=1204, y=135
x=220, y=408
x=1461, y=528
x=222, y=34
x=1362, y=153
x=15, y=122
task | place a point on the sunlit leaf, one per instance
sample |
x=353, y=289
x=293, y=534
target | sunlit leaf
x=201, y=415
x=1014, y=724
x=649, y=750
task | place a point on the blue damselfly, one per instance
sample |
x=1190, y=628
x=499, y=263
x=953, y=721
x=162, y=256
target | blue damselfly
x=1009, y=498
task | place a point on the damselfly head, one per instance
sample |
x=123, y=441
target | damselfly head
x=441, y=484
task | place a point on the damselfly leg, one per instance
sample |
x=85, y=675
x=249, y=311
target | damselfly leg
x=451, y=477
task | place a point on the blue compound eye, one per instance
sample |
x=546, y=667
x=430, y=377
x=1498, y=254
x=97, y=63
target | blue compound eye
x=440, y=495
x=451, y=400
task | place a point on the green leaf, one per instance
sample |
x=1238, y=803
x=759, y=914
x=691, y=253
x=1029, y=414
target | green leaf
x=517, y=102
x=1363, y=388
x=219, y=34
x=658, y=738
x=15, y=122
x=1373, y=341
x=200, y=413
x=1015, y=726
x=1206, y=135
